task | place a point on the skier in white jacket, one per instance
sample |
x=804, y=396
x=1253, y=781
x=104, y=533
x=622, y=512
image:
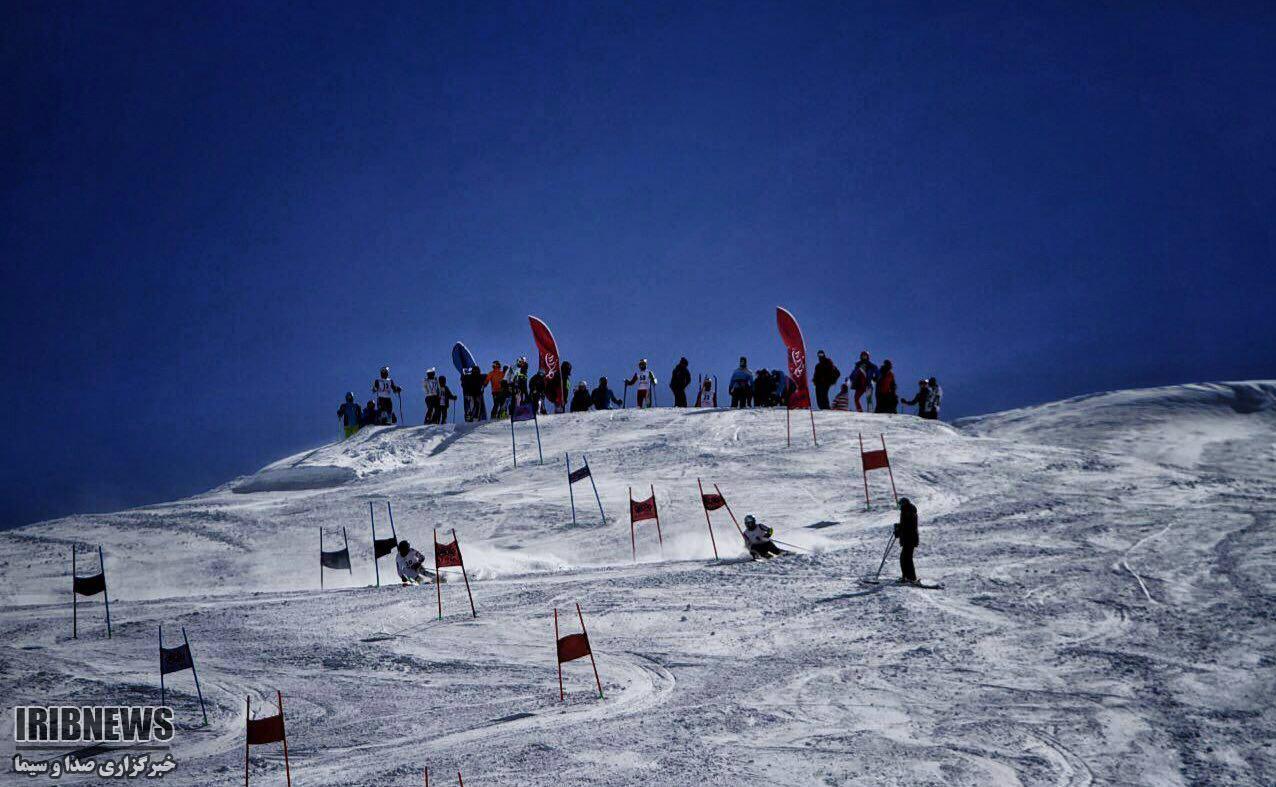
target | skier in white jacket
x=410, y=564
x=758, y=538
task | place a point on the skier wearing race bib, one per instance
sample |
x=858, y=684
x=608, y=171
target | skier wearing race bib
x=645, y=382
x=409, y=562
x=707, y=396
x=430, y=386
x=384, y=388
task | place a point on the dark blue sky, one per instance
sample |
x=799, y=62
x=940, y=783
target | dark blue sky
x=220, y=217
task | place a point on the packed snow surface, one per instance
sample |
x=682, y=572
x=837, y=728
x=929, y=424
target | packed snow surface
x=1108, y=564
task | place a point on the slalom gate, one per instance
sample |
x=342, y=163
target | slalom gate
x=89, y=586
x=268, y=730
x=382, y=546
x=876, y=460
x=712, y=502
x=640, y=511
x=177, y=659
x=525, y=412
x=572, y=647
x=335, y=560
x=580, y=474
x=449, y=556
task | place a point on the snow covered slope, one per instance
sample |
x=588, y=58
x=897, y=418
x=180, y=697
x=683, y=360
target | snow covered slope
x=1106, y=616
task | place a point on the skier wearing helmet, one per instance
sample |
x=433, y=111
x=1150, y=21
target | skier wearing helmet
x=580, y=398
x=350, y=415
x=645, y=381
x=410, y=564
x=384, y=388
x=757, y=537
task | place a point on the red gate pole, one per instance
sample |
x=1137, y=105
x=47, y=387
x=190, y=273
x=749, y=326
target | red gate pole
x=561, y=695
x=597, y=679
x=889, y=470
x=248, y=709
x=729, y=511
x=459, y=779
x=864, y=473
x=814, y=439
x=633, y=543
x=788, y=432
x=283, y=728
x=473, y=611
x=707, y=521
x=427, y=777
x=656, y=507
x=438, y=586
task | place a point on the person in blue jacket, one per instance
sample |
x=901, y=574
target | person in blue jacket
x=741, y=385
x=350, y=414
x=602, y=397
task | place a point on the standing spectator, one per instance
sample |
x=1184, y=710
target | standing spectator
x=936, y=396
x=472, y=389
x=825, y=377
x=678, y=382
x=446, y=397
x=862, y=379
x=580, y=399
x=922, y=399
x=536, y=390
x=603, y=397
x=370, y=415
x=741, y=385
x=384, y=388
x=887, y=395
x=518, y=384
x=496, y=380
x=763, y=389
x=564, y=383
x=351, y=418
x=430, y=387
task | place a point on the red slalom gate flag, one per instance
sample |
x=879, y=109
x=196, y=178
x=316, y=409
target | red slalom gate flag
x=876, y=460
x=550, y=361
x=449, y=556
x=795, y=346
x=572, y=647
x=267, y=730
x=643, y=509
x=712, y=500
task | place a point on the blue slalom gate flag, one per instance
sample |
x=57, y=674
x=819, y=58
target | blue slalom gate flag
x=525, y=411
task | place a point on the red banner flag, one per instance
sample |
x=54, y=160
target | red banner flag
x=875, y=460
x=549, y=360
x=796, y=346
x=642, y=509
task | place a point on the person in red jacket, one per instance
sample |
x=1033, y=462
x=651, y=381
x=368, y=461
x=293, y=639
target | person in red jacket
x=887, y=395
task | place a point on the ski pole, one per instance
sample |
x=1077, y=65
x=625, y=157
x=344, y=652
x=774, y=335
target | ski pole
x=787, y=544
x=889, y=544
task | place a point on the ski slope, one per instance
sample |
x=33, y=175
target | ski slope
x=1108, y=562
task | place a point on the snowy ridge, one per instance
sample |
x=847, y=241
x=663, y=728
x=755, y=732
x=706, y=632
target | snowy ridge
x=1090, y=553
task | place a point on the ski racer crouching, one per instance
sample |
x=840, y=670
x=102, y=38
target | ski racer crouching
x=758, y=537
x=409, y=562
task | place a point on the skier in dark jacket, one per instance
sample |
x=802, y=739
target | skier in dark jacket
x=370, y=415
x=472, y=390
x=581, y=399
x=906, y=532
x=763, y=389
x=446, y=397
x=922, y=400
x=887, y=395
x=603, y=398
x=351, y=417
x=825, y=376
x=679, y=379
x=536, y=390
